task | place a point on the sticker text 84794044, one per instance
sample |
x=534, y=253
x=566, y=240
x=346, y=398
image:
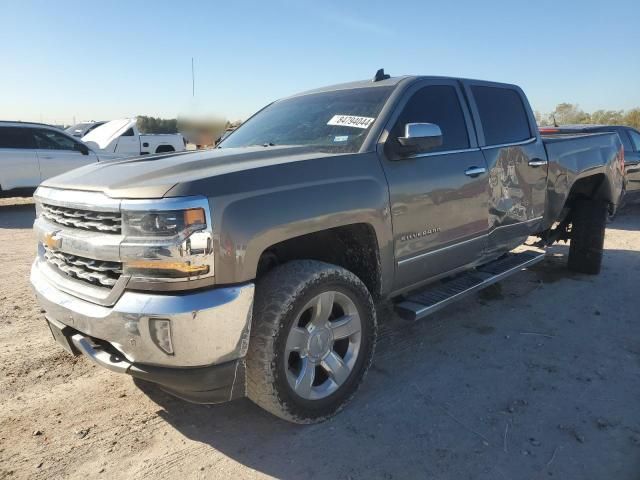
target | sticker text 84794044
x=351, y=121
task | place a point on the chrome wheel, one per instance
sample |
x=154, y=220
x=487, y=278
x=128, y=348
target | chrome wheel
x=323, y=345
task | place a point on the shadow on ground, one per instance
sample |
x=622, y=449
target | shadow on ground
x=534, y=380
x=17, y=216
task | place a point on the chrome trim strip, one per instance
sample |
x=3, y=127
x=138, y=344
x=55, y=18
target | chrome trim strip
x=432, y=252
x=514, y=144
x=515, y=224
x=94, y=201
x=484, y=236
x=446, y=152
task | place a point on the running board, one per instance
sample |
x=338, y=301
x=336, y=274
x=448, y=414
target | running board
x=441, y=294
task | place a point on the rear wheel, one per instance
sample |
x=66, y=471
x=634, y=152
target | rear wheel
x=588, y=223
x=312, y=340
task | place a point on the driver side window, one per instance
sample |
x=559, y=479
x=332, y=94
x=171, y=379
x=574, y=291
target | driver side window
x=50, y=140
x=438, y=104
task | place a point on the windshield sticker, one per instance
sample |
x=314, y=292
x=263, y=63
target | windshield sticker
x=351, y=121
x=341, y=138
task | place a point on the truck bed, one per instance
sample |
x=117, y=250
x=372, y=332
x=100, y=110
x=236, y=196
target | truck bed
x=574, y=156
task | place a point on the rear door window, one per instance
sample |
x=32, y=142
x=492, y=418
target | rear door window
x=635, y=138
x=16, y=137
x=502, y=114
x=438, y=104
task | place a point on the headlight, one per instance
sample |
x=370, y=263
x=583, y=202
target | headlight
x=163, y=224
x=167, y=248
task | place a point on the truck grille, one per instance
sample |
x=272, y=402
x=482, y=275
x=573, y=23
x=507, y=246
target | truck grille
x=106, y=222
x=95, y=272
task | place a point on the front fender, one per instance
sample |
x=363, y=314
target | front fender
x=255, y=209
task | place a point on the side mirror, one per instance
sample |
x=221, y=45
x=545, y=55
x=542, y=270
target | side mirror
x=82, y=148
x=421, y=137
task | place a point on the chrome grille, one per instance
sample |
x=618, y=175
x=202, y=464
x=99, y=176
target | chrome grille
x=96, y=272
x=107, y=222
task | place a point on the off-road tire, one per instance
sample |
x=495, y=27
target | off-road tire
x=588, y=223
x=280, y=296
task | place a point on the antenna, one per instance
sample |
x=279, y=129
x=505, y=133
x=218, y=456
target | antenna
x=555, y=123
x=380, y=75
x=193, y=80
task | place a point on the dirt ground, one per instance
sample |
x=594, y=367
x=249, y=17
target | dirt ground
x=538, y=378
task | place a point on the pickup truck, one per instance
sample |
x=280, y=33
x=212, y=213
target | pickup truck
x=255, y=268
x=123, y=137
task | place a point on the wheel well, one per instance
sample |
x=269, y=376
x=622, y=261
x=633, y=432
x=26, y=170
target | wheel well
x=353, y=247
x=165, y=148
x=589, y=187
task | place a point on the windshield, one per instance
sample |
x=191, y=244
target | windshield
x=78, y=129
x=337, y=120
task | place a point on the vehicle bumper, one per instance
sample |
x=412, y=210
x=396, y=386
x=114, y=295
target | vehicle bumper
x=209, y=335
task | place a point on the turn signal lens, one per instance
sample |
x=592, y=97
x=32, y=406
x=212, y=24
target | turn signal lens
x=194, y=216
x=151, y=268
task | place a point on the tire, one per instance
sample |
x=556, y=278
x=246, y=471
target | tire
x=589, y=220
x=287, y=374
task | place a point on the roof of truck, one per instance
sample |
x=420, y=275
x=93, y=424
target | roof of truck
x=389, y=82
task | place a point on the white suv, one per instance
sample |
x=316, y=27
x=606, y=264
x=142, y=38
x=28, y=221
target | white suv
x=32, y=152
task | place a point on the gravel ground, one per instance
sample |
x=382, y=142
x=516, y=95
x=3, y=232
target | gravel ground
x=538, y=377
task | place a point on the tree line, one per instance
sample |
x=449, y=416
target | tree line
x=570, y=113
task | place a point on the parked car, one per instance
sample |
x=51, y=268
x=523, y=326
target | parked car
x=33, y=152
x=81, y=129
x=123, y=137
x=253, y=269
x=630, y=138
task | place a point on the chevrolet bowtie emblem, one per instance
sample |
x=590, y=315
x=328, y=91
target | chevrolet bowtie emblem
x=52, y=240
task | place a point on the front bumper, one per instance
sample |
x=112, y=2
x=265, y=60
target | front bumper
x=209, y=334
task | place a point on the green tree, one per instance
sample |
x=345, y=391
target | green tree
x=569, y=113
x=607, y=117
x=632, y=118
x=157, y=125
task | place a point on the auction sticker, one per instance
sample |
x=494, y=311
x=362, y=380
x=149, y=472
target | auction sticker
x=351, y=121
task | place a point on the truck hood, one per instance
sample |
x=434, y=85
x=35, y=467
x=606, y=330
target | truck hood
x=99, y=138
x=152, y=176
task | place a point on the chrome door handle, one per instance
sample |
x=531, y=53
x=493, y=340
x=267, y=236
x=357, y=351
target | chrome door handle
x=474, y=171
x=536, y=162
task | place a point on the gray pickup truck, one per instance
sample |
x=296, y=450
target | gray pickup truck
x=254, y=269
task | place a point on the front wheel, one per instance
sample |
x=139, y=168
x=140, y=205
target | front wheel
x=312, y=340
x=588, y=223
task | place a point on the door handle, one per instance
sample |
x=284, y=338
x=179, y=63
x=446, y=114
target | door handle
x=537, y=162
x=474, y=171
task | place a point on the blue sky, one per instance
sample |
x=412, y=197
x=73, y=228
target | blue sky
x=101, y=60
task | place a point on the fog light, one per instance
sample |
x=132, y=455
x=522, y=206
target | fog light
x=160, y=330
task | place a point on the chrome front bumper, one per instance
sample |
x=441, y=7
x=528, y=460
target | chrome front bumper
x=208, y=327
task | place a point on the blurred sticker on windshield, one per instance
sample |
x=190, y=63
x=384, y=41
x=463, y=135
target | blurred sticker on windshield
x=341, y=138
x=351, y=121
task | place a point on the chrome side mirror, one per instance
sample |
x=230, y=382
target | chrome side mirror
x=420, y=137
